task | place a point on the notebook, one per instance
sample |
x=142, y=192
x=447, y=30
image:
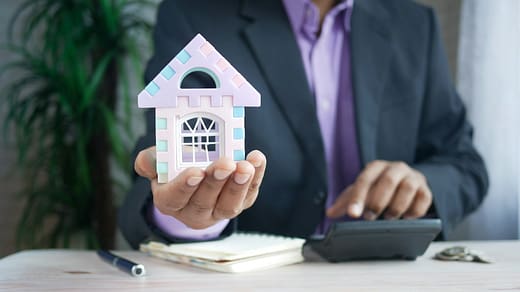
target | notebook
x=240, y=252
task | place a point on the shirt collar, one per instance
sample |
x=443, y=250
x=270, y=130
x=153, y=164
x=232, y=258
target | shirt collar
x=304, y=15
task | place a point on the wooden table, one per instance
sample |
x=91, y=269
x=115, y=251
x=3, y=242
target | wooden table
x=68, y=270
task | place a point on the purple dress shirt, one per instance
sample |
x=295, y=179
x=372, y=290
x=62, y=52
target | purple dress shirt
x=326, y=59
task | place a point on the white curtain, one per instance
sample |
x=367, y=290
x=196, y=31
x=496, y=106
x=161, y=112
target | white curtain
x=489, y=82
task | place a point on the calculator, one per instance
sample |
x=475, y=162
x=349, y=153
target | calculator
x=375, y=240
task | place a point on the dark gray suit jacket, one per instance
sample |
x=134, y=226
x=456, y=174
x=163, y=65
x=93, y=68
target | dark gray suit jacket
x=407, y=108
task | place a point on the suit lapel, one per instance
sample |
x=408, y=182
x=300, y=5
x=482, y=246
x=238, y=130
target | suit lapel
x=273, y=43
x=371, y=49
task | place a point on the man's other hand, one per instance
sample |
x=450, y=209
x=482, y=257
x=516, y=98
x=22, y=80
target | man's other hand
x=200, y=198
x=391, y=189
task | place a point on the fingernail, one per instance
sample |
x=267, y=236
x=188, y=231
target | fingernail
x=330, y=212
x=221, y=174
x=241, y=178
x=390, y=217
x=369, y=215
x=356, y=209
x=194, y=180
x=255, y=162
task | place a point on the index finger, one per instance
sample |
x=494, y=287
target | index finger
x=145, y=163
x=352, y=200
x=174, y=195
x=259, y=162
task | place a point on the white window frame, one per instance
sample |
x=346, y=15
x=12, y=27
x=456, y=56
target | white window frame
x=219, y=134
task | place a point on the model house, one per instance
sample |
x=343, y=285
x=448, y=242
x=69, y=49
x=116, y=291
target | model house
x=195, y=126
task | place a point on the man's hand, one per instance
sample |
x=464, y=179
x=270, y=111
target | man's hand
x=390, y=187
x=200, y=198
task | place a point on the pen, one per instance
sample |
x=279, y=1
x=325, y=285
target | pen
x=123, y=264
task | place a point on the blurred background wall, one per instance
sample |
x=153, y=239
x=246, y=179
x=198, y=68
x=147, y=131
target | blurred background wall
x=448, y=13
x=489, y=82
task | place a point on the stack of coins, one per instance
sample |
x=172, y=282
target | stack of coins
x=463, y=254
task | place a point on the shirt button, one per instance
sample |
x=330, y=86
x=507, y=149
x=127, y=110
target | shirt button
x=308, y=12
x=319, y=198
x=325, y=105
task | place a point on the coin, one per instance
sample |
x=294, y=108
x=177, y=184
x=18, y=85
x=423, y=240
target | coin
x=455, y=251
x=480, y=257
x=443, y=257
x=461, y=253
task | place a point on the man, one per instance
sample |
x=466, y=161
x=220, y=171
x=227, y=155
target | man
x=359, y=119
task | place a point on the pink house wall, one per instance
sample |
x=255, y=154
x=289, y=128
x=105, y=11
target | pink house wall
x=174, y=115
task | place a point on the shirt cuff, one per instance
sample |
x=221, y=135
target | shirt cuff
x=177, y=229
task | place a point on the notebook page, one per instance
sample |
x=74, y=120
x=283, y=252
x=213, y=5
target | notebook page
x=236, y=246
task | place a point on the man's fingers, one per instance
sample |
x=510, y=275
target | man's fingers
x=173, y=196
x=403, y=198
x=382, y=192
x=231, y=199
x=420, y=204
x=145, y=163
x=352, y=202
x=344, y=205
x=201, y=204
x=200, y=198
x=259, y=162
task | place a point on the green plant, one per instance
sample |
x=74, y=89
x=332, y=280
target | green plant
x=71, y=65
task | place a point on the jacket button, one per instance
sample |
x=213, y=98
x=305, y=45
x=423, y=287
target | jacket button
x=319, y=198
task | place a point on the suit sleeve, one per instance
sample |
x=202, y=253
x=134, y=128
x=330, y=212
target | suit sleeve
x=135, y=218
x=445, y=154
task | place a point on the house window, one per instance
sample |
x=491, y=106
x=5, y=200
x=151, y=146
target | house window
x=199, y=77
x=201, y=139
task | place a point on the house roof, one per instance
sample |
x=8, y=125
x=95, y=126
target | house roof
x=198, y=55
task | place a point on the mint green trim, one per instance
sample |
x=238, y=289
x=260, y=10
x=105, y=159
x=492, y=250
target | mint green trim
x=152, y=88
x=183, y=56
x=204, y=70
x=162, y=145
x=239, y=155
x=162, y=167
x=161, y=124
x=238, y=133
x=168, y=72
x=238, y=112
